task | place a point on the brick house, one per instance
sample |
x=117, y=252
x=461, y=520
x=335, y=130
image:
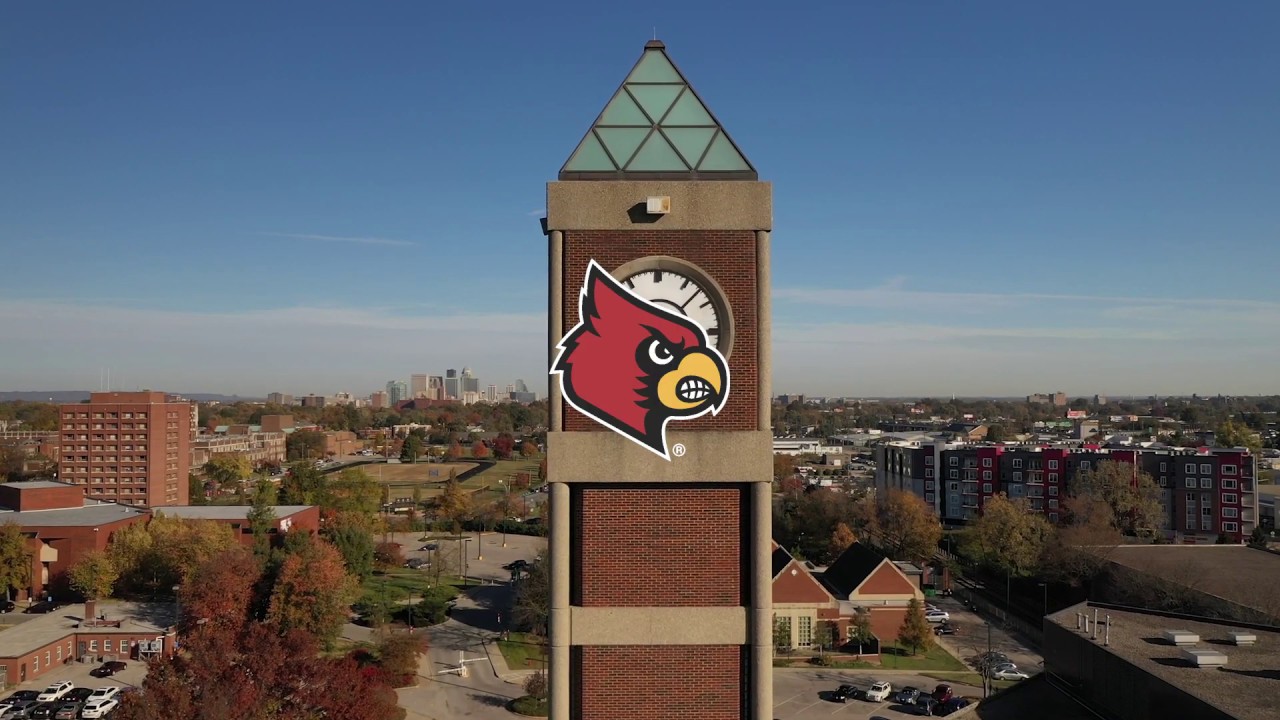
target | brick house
x=871, y=582
x=127, y=631
x=801, y=602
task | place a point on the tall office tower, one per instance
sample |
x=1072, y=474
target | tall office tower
x=521, y=387
x=451, y=387
x=470, y=383
x=435, y=387
x=491, y=393
x=397, y=390
x=132, y=448
x=511, y=389
x=417, y=386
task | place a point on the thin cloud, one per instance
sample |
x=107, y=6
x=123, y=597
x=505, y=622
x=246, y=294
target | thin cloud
x=537, y=213
x=340, y=239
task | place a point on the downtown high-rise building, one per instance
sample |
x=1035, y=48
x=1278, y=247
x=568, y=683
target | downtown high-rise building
x=397, y=390
x=435, y=387
x=452, y=390
x=276, y=398
x=417, y=386
x=470, y=383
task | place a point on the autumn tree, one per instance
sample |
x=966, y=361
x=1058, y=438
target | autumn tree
x=784, y=466
x=94, y=575
x=312, y=593
x=533, y=599
x=804, y=521
x=398, y=654
x=503, y=445
x=387, y=555
x=1082, y=545
x=454, y=505
x=841, y=538
x=219, y=593
x=352, y=490
x=1009, y=536
x=159, y=554
x=528, y=449
x=915, y=633
x=1132, y=495
x=15, y=559
x=1231, y=434
x=305, y=445
x=228, y=471
x=302, y=485
x=454, y=452
x=479, y=450
x=906, y=527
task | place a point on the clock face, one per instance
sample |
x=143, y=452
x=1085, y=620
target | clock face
x=680, y=294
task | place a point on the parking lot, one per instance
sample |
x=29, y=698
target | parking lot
x=78, y=674
x=807, y=694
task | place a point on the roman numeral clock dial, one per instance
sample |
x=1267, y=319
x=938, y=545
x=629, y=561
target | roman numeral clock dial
x=684, y=295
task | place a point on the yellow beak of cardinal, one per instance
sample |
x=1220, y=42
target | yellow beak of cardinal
x=694, y=383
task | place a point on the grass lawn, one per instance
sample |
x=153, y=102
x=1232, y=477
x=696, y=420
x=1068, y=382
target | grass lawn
x=399, y=582
x=402, y=478
x=531, y=706
x=522, y=652
x=503, y=470
x=893, y=658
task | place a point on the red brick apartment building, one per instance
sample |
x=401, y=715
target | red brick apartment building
x=1205, y=491
x=132, y=448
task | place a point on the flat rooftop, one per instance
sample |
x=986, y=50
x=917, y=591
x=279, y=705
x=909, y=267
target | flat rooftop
x=1034, y=698
x=93, y=512
x=1237, y=573
x=223, y=512
x=1245, y=688
x=137, y=619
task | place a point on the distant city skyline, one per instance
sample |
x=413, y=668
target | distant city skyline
x=972, y=199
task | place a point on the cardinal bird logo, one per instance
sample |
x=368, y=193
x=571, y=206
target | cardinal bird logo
x=633, y=366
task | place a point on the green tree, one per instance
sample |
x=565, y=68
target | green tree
x=262, y=517
x=1132, y=495
x=352, y=490
x=15, y=559
x=1236, y=434
x=302, y=485
x=533, y=600
x=195, y=490
x=411, y=449
x=454, y=504
x=1008, y=537
x=352, y=535
x=228, y=471
x=915, y=633
x=305, y=445
x=995, y=433
x=94, y=575
x=860, y=631
x=827, y=635
x=781, y=634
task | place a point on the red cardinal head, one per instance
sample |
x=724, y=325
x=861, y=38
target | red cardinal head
x=633, y=366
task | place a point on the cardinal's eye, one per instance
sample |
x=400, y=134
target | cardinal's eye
x=659, y=353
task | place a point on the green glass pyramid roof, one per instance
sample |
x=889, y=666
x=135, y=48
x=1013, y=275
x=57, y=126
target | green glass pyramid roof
x=656, y=127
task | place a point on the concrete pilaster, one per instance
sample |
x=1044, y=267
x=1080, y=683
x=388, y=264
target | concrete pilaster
x=761, y=698
x=558, y=551
x=555, y=324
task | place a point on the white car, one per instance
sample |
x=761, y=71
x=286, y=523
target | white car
x=55, y=691
x=1008, y=673
x=97, y=708
x=937, y=616
x=104, y=693
x=879, y=692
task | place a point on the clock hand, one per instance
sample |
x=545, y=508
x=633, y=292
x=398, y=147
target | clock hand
x=691, y=297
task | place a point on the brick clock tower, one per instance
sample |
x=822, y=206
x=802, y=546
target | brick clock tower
x=660, y=449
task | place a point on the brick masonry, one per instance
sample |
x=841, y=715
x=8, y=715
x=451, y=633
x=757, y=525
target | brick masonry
x=729, y=256
x=640, y=682
x=659, y=546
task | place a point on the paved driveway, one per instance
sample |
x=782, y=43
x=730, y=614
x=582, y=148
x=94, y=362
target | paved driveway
x=972, y=640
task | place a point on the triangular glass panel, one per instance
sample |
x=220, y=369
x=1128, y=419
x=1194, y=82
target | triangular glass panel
x=654, y=67
x=590, y=157
x=690, y=142
x=656, y=156
x=622, y=110
x=688, y=110
x=722, y=155
x=654, y=99
x=622, y=142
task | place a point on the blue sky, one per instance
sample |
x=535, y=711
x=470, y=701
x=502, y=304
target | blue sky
x=970, y=198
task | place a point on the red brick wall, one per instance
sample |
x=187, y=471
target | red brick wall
x=643, y=546
x=886, y=580
x=885, y=623
x=17, y=496
x=729, y=256
x=645, y=682
x=798, y=588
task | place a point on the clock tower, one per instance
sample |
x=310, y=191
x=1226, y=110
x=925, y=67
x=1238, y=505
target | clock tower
x=659, y=455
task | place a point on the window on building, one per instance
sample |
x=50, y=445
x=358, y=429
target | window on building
x=35, y=663
x=59, y=649
x=1053, y=464
x=1053, y=477
x=1084, y=464
x=955, y=474
x=1206, y=469
x=1053, y=490
x=986, y=474
x=1190, y=469
x=804, y=631
x=1228, y=469
x=1053, y=517
x=1206, y=511
x=106, y=646
x=953, y=487
x=986, y=462
x=1017, y=477
x=1191, y=482
x=1164, y=466
x=1230, y=512
x=953, y=461
x=986, y=487
x=928, y=497
x=1229, y=498
x=928, y=484
x=93, y=646
x=928, y=472
x=1230, y=527
x=1053, y=504
x=1206, y=524
x=1228, y=484
x=1017, y=462
x=1206, y=483
x=1191, y=498
x=928, y=459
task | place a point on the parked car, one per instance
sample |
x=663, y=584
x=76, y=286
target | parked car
x=414, y=563
x=7, y=606
x=19, y=710
x=937, y=616
x=22, y=696
x=845, y=693
x=77, y=695
x=946, y=628
x=55, y=691
x=1008, y=673
x=105, y=693
x=925, y=706
x=98, y=708
x=109, y=668
x=942, y=693
x=907, y=696
x=429, y=547
x=879, y=692
x=954, y=705
x=67, y=711
x=516, y=565
x=44, y=711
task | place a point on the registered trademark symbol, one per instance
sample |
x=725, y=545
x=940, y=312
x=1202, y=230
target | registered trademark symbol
x=677, y=450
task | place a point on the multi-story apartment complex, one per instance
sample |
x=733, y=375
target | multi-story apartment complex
x=279, y=399
x=258, y=447
x=128, y=447
x=1205, y=492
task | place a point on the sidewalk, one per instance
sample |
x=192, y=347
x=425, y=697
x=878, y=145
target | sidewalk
x=499, y=664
